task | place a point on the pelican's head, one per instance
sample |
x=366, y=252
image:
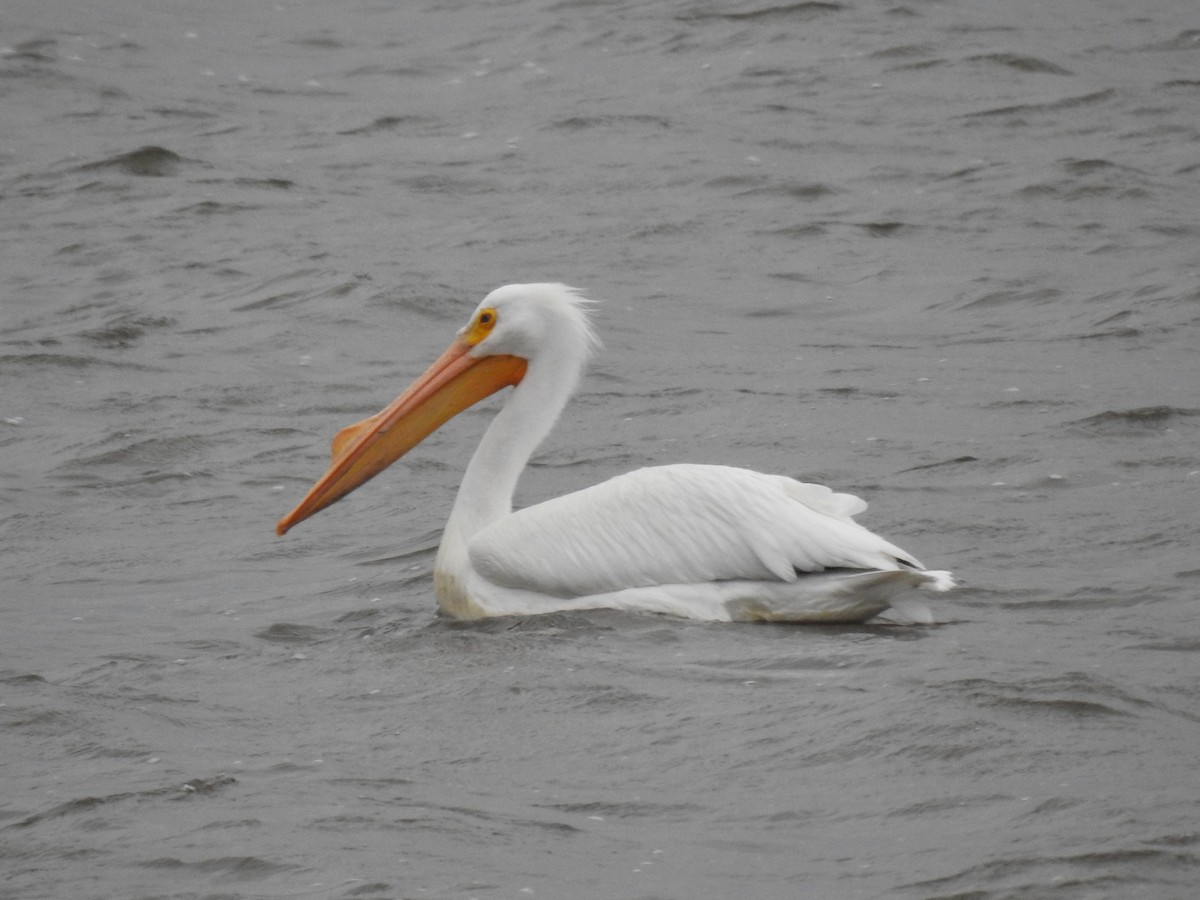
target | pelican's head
x=515, y=328
x=530, y=320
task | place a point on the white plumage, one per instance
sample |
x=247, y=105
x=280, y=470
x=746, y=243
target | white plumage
x=705, y=542
x=677, y=525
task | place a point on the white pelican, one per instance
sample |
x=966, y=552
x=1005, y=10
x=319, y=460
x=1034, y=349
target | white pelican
x=704, y=542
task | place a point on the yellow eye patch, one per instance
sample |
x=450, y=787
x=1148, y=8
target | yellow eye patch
x=481, y=326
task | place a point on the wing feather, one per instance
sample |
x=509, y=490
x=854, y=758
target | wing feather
x=681, y=524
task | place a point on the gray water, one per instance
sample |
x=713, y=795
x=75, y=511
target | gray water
x=944, y=255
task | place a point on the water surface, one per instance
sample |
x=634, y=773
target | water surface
x=943, y=255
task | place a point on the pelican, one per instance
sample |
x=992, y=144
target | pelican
x=703, y=542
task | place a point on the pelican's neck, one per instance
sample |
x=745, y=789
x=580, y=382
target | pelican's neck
x=528, y=415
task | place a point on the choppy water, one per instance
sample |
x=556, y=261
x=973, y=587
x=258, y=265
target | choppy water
x=945, y=255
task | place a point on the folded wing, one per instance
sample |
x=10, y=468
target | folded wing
x=682, y=524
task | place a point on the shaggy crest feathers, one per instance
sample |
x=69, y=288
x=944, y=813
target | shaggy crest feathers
x=532, y=308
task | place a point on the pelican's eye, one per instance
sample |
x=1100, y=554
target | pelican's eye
x=481, y=326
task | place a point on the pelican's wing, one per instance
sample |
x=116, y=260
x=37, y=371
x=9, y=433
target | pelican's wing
x=682, y=524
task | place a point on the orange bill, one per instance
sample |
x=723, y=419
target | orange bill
x=363, y=450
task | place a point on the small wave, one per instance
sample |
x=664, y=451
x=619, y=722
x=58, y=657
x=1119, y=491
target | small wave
x=1021, y=63
x=275, y=184
x=1073, y=102
x=124, y=331
x=24, y=361
x=1134, y=422
x=905, y=51
x=1013, y=297
x=633, y=809
x=809, y=230
x=291, y=633
x=790, y=190
x=884, y=229
x=36, y=50
x=147, y=162
x=792, y=11
x=239, y=867
x=175, y=112
x=318, y=42
x=1188, y=39
x=439, y=302
x=956, y=461
x=212, y=207
x=1176, y=645
x=300, y=295
x=91, y=803
x=388, y=124
x=583, y=123
x=449, y=186
x=1073, y=695
x=142, y=452
x=23, y=678
x=1099, y=874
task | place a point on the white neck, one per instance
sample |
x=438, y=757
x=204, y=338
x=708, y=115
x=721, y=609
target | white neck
x=486, y=492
